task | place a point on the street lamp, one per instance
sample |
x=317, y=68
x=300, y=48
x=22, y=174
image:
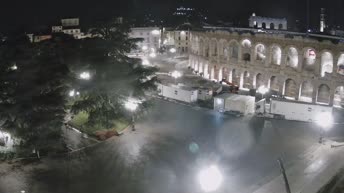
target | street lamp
x=131, y=105
x=152, y=55
x=263, y=90
x=85, y=75
x=72, y=93
x=325, y=122
x=173, y=50
x=176, y=75
x=210, y=178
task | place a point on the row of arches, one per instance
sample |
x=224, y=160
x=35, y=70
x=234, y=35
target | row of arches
x=271, y=26
x=306, y=59
x=306, y=91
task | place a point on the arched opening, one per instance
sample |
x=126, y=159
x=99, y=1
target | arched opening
x=340, y=64
x=246, y=80
x=206, y=71
x=259, y=80
x=216, y=73
x=264, y=25
x=200, y=48
x=290, y=89
x=260, y=52
x=246, y=50
x=324, y=93
x=276, y=55
x=235, y=77
x=225, y=73
x=292, y=57
x=326, y=63
x=196, y=67
x=306, y=91
x=200, y=68
x=309, y=58
x=213, y=47
x=280, y=26
x=339, y=97
x=207, y=50
x=212, y=73
x=273, y=83
x=272, y=26
x=234, y=50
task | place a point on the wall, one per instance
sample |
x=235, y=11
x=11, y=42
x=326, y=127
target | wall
x=284, y=65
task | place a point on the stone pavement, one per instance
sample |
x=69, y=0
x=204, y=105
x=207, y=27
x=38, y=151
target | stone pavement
x=311, y=173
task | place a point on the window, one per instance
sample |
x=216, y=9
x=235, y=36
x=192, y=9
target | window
x=186, y=38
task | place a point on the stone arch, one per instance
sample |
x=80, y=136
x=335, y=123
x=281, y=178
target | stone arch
x=206, y=48
x=340, y=64
x=246, y=80
x=258, y=80
x=339, y=97
x=235, y=77
x=213, y=47
x=290, y=89
x=212, y=73
x=276, y=55
x=306, y=91
x=264, y=25
x=260, y=52
x=280, y=26
x=225, y=73
x=292, y=59
x=201, y=47
x=272, y=26
x=223, y=48
x=233, y=49
x=273, y=83
x=206, y=71
x=219, y=74
x=309, y=59
x=200, y=68
x=324, y=93
x=246, y=49
x=326, y=63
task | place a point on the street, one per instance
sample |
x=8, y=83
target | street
x=172, y=145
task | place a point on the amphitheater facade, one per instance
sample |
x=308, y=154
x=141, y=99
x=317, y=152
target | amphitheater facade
x=299, y=67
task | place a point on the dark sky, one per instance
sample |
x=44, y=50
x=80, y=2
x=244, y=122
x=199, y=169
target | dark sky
x=17, y=13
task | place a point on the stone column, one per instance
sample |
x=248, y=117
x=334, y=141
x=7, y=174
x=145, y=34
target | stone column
x=315, y=92
x=317, y=69
x=283, y=59
x=332, y=93
x=268, y=57
x=300, y=63
x=335, y=65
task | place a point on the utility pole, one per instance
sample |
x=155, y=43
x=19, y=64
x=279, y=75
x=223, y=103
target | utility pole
x=287, y=187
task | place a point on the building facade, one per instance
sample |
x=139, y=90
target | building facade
x=151, y=37
x=178, y=39
x=297, y=67
x=268, y=23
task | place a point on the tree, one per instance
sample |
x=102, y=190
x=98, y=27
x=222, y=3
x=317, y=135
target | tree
x=115, y=77
x=34, y=98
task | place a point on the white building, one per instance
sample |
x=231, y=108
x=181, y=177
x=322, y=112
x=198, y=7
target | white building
x=179, y=93
x=69, y=26
x=151, y=38
x=70, y=22
x=268, y=23
x=178, y=39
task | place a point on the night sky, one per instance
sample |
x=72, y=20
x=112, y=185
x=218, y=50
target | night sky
x=18, y=13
